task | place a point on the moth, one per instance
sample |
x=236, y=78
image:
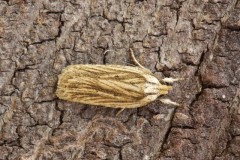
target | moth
x=114, y=86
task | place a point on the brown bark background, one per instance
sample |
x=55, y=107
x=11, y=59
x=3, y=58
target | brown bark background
x=196, y=40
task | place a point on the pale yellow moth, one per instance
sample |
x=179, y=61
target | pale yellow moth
x=113, y=86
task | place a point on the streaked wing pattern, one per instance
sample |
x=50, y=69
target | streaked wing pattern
x=106, y=85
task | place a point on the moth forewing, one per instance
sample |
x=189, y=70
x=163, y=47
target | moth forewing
x=112, y=85
x=109, y=85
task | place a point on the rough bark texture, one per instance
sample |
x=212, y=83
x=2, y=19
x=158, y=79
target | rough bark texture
x=196, y=40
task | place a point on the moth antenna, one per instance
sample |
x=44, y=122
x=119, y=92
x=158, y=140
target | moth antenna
x=135, y=60
x=168, y=101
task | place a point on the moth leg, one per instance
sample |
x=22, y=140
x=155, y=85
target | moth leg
x=168, y=101
x=135, y=60
x=120, y=111
x=129, y=64
x=108, y=51
x=171, y=80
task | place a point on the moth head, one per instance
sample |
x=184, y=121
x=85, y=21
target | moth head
x=164, y=89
